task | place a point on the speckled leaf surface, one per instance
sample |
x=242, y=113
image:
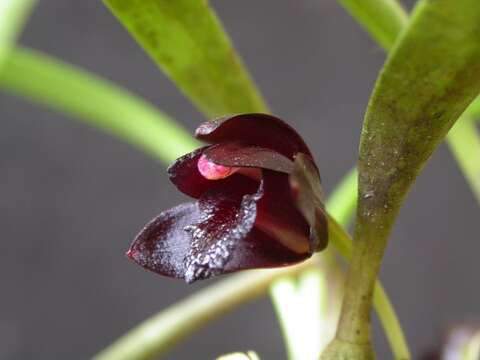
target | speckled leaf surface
x=431, y=76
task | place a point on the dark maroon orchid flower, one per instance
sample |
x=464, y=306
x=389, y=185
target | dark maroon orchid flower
x=258, y=203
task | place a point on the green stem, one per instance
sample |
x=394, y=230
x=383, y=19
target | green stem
x=285, y=292
x=160, y=332
x=464, y=142
x=304, y=320
x=382, y=304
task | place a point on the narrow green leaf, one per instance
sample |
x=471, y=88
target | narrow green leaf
x=13, y=14
x=94, y=101
x=464, y=141
x=474, y=110
x=383, y=19
x=187, y=41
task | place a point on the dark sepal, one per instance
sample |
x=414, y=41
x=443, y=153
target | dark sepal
x=305, y=180
x=261, y=130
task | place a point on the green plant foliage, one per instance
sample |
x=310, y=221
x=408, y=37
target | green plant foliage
x=428, y=81
x=96, y=102
x=187, y=41
x=383, y=19
x=464, y=141
x=430, y=77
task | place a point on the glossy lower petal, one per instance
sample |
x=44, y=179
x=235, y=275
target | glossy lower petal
x=228, y=214
x=259, y=250
x=262, y=130
x=163, y=243
x=237, y=154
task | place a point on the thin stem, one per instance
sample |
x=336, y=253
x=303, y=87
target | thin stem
x=156, y=335
x=284, y=296
x=382, y=304
x=391, y=325
x=286, y=292
x=464, y=142
x=305, y=298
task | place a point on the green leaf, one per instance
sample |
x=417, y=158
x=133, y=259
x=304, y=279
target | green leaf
x=430, y=77
x=13, y=14
x=187, y=41
x=474, y=110
x=94, y=101
x=464, y=141
x=383, y=19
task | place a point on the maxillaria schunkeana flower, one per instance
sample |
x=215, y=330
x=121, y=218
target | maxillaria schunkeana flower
x=258, y=203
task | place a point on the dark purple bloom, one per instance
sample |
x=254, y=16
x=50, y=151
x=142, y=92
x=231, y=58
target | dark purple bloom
x=258, y=203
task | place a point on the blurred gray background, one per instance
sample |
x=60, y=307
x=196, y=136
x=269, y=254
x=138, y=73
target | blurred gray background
x=71, y=198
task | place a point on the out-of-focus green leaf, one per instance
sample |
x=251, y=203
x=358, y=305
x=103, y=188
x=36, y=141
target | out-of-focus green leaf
x=13, y=14
x=187, y=41
x=94, y=101
x=464, y=141
x=383, y=19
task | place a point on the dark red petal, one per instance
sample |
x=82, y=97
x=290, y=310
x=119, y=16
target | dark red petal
x=262, y=130
x=236, y=154
x=227, y=240
x=305, y=180
x=228, y=214
x=185, y=175
x=259, y=250
x=279, y=216
x=214, y=236
x=162, y=244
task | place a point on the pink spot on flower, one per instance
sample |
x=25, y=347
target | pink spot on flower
x=212, y=171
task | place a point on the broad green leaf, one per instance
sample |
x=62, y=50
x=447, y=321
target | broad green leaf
x=385, y=19
x=430, y=77
x=13, y=14
x=187, y=41
x=94, y=101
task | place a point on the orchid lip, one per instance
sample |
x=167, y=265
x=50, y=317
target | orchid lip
x=212, y=171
